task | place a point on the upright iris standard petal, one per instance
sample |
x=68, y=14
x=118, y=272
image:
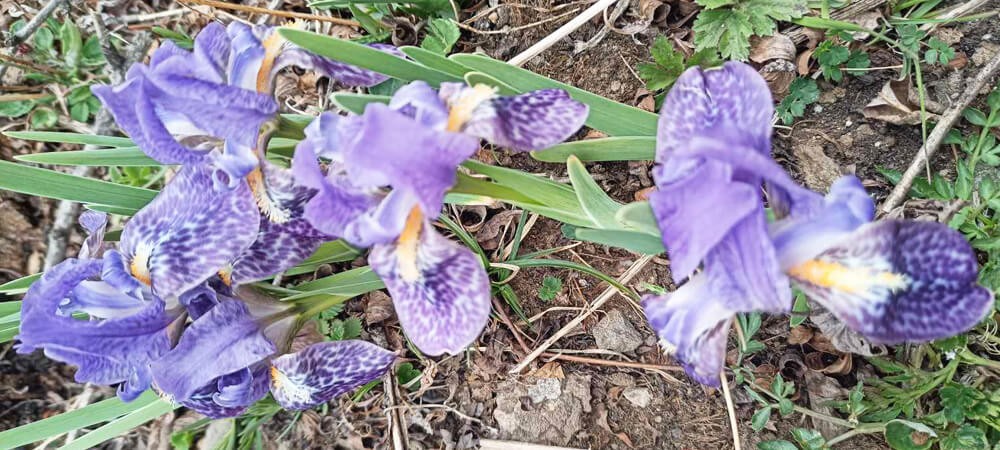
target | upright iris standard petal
x=440, y=289
x=382, y=154
x=285, y=237
x=322, y=371
x=899, y=281
x=165, y=243
x=532, y=121
x=733, y=99
x=224, y=340
x=111, y=351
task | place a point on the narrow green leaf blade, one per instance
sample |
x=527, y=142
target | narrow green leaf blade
x=9, y=308
x=594, y=200
x=363, y=56
x=474, y=78
x=629, y=240
x=356, y=103
x=329, y=252
x=620, y=148
x=116, y=156
x=52, y=184
x=638, y=216
x=606, y=115
x=102, y=411
x=350, y=283
x=119, y=426
x=20, y=285
x=435, y=61
x=71, y=138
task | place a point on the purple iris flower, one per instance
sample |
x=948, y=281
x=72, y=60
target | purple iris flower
x=239, y=350
x=209, y=104
x=892, y=281
x=413, y=146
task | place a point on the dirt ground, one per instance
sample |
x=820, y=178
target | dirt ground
x=561, y=403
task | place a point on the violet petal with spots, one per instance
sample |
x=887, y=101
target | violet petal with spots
x=325, y=370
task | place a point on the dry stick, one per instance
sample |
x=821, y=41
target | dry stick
x=491, y=444
x=285, y=14
x=608, y=294
x=561, y=32
x=731, y=410
x=24, y=33
x=799, y=34
x=937, y=135
x=605, y=362
x=956, y=12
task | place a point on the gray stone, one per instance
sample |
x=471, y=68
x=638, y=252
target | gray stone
x=552, y=422
x=638, y=396
x=616, y=333
x=545, y=389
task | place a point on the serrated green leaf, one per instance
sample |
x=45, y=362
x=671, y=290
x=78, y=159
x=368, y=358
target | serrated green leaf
x=116, y=156
x=16, y=109
x=622, y=148
x=442, y=34
x=606, y=115
x=52, y=184
x=966, y=437
x=44, y=118
x=776, y=445
x=44, y=39
x=809, y=439
x=974, y=116
x=363, y=56
x=71, y=44
x=760, y=418
x=595, y=202
x=907, y=435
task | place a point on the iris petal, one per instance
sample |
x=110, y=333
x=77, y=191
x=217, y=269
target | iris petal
x=231, y=394
x=693, y=323
x=95, y=223
x=116, y=350
x=223, y=341
x=323, y=371
x=165, y=241
x=899, y=281
x=532, y=121
x=439, y=288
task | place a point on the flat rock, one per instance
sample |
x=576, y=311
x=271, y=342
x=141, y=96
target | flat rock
x=638, y=396
x=616, y=333
x=819, y=171
x=553, y=422
x=545, y=389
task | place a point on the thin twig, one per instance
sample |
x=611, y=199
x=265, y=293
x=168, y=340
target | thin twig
x=285, y=14
x=609, y=363
x=491, y=444
x=958, y=11
x=608, y=294
x=28, y=64
x=731, y=410
x=561, y=32
x=937, y=135
x=25, y=32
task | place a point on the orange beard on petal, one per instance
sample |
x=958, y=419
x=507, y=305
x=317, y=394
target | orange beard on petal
x=406, y=246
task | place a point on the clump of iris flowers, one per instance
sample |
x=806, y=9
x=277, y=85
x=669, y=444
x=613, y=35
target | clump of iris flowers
x=891, y=281
x=170, y=307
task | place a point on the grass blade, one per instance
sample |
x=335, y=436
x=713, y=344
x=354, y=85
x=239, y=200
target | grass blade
x=117, y=156
x=622, y=148
x=646, y=244
x=606, y=115
x=351, y=283
x=119, y=426
x=70, y=138
x=52, y=184
x=101, y=411
x=435, y=61
x=474, y=78
x=356, y=103
x=363, y=56
x=20, y=285
x=329, y=252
